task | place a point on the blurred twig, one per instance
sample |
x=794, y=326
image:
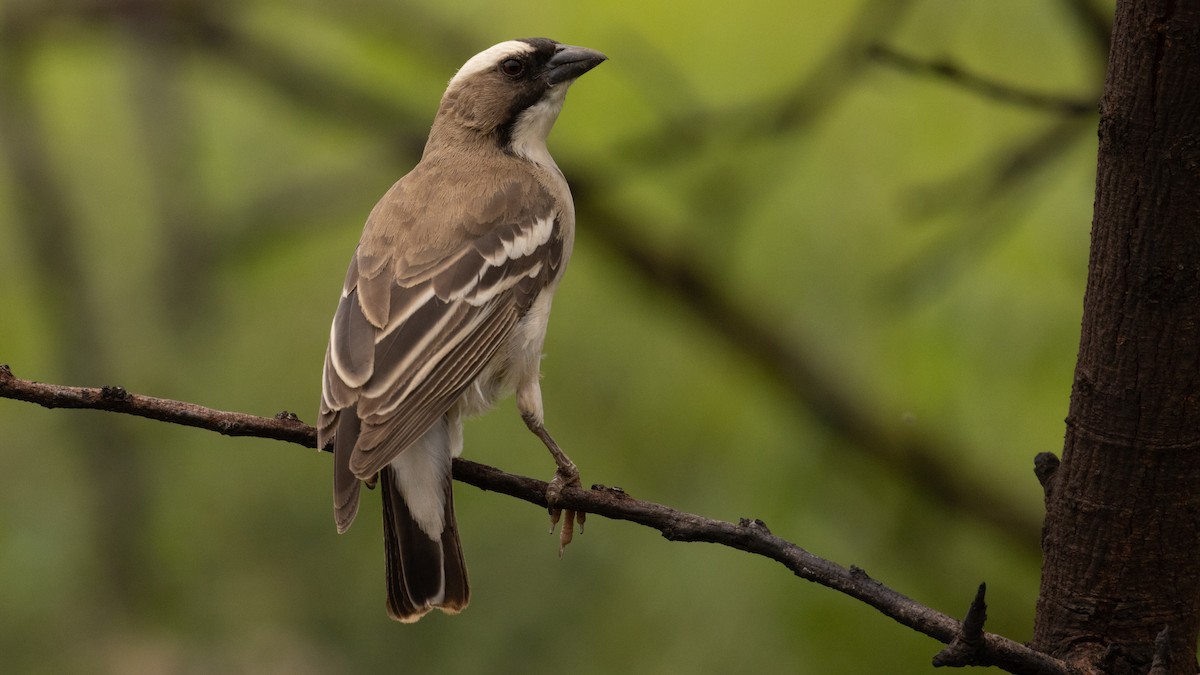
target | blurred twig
x=41, y=202
x=1097, y=24
x=997, y=176
x=167, y=126
x=1001, y=92
x=926, y=463
x=982, y=193
x=751, y=536
x=678, y=135
x=921, y=461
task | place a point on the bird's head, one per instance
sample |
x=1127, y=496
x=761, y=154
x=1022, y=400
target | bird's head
x=512, y=92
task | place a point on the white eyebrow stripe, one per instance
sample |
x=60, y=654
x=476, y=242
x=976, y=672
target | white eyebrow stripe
x=488, y=58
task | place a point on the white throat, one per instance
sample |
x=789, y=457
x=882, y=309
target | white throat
x=533, y=126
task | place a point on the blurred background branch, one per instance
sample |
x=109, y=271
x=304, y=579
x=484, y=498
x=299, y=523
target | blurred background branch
x=1001, y=92
x=847, y=286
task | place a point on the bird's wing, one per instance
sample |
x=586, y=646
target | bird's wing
x=405, y=345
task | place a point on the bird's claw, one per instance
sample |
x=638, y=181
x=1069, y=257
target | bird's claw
x=564, y=477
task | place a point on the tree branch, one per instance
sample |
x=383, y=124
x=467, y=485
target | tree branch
x=284, y=426
x=799, y=372
x=919, y=461
x=678, y=136
x=1001, y=92
x=749, y=535
x=965, y=648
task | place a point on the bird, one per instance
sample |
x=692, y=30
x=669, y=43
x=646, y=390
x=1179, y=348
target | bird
x=444, y=312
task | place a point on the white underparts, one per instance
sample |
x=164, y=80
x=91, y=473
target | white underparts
x=421, y=473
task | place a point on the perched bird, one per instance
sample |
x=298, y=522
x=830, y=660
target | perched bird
x=444, y=312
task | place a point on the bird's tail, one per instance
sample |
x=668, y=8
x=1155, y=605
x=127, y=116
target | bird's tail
x=423, y=570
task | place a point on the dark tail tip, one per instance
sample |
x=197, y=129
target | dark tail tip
x=422, y=572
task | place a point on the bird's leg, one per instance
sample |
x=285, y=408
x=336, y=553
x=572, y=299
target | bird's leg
x=566, y=475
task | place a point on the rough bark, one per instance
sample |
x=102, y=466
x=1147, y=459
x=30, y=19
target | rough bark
x=1122, y=532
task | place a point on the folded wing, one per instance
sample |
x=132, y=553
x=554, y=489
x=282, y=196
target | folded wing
x=405, y=344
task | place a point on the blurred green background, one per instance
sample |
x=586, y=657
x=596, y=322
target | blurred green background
x=828, y=274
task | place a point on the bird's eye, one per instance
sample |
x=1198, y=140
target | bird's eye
x=512, y=67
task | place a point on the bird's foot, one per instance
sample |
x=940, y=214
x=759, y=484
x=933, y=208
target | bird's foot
x=566, y=476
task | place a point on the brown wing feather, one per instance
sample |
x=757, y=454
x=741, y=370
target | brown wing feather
x=440, y=331
x=383, y=436
x=410, y=291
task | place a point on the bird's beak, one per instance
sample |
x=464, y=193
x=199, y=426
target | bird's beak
x=570, y=62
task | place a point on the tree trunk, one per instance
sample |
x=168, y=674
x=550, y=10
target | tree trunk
x=1122, y=532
